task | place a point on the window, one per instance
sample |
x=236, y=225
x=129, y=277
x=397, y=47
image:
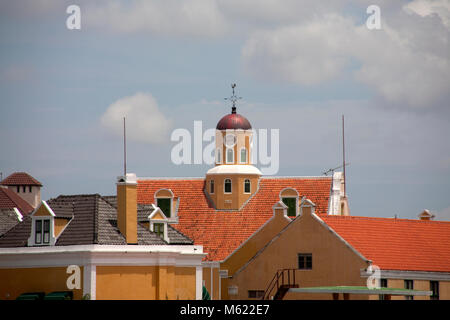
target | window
x=165, y=205
x=243, y=155
x=38, y=231
x=409, y=284
x=305, y=261
x=230, y=155
x=18, y=189
x=30, y=188
x=219, y=156
x=211, y=186
x=46, y=231
x=292, y=206
x=24, y=189
x=383, y=284
x=227, y=186
x=434, y=288
x=255, y=294
x=158, y=228
x=247, y=186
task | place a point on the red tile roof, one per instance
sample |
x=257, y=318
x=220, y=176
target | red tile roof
x=397, y=244
x=20, y=178
x=221, y=232
x=9, y=200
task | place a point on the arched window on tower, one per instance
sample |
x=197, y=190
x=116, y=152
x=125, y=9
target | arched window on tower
x=230, y=155
x=243, y=155
x=227, y=186
x=218, y=156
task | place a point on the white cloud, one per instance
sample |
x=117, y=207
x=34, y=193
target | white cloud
x=169, y=17
x=406, y=62
x=429, y=7
x=144, y=120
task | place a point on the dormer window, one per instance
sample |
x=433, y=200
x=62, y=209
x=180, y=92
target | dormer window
x=290, y=198
x=158, y=223
x=164, y=200
x=42, y=227
x=42, y=231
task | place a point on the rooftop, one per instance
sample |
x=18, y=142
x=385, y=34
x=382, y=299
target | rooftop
x=19, y=179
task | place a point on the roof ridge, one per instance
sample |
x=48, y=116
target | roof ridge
x=383, y=218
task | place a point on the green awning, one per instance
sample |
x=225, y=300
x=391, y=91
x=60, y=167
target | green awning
x=59, y=295
x=31, y=296
x=362, y=290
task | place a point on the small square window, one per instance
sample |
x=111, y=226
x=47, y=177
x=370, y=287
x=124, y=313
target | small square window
x=434, y=288
x=409, y=284
x=305, y=261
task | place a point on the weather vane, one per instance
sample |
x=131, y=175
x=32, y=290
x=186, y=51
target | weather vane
x=233, y=98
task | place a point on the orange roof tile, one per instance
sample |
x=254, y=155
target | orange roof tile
x=397, y=244
x=20, y=178
x=221, y=232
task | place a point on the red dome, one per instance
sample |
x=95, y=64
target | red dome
x=233, y=121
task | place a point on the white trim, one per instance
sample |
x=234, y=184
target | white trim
x=198, y=282
x=163, y=189
x=107, y=255
x=410, y=275
x=18, y=214
x=90, y=280
x=231, y=182
x=163, y=221
x=226, y=153
x=235, y=169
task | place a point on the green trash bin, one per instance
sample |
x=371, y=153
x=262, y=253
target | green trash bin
x=31, y=296
x=59, y=295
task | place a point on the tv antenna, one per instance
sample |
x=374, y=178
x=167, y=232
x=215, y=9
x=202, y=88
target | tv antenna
x=344, y=164
x=233, y=98
x=124, y=149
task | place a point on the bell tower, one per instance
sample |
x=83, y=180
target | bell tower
x=233, y=179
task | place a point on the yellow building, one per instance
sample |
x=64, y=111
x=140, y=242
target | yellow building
x=83, y=245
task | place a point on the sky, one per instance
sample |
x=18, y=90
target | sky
x=299, y=66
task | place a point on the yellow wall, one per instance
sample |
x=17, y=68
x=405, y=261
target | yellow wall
x=236, y=199
x=253, y=244
x=334, y=263
x=14, y=282
x=145, y=283
x=214, y=292
x=60, y=223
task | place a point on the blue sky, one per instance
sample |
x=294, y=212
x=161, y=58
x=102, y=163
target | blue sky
x=299, y=65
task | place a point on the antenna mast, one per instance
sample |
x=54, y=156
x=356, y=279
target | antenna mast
x=343, y=155
x=124, y=149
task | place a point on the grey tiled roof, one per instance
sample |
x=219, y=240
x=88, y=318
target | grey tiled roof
x=93, y=220
x=8, y=219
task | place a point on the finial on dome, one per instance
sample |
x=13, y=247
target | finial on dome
x=233, y=99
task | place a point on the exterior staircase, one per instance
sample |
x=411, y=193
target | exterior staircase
x=282, y=281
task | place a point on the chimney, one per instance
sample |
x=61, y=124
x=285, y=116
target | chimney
x=127, y=207
x=280, y=209
x=426, y=215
